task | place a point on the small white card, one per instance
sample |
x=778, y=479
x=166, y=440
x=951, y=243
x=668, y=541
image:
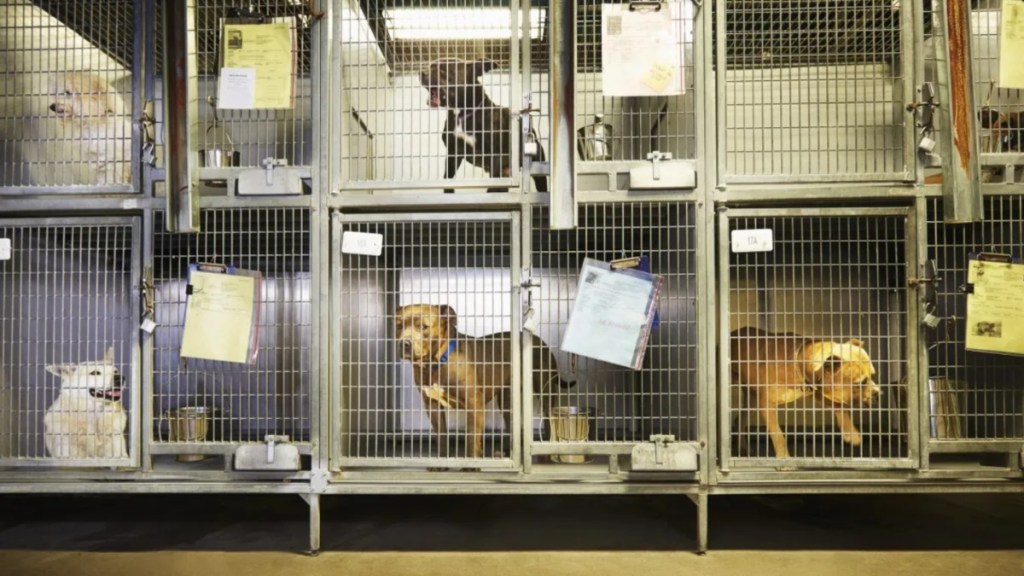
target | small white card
x=236, y=89
x=5, y=248
x=760, y=240
x=148, y=325
x=364, y=243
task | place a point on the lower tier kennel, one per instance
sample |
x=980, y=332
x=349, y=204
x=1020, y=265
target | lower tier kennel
x=421, y=296
x=816, y=338
x=203, y=407
x=69, y=371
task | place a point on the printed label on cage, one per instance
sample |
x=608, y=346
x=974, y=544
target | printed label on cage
x=363, y=243
x=5, y=248
x=752, y=240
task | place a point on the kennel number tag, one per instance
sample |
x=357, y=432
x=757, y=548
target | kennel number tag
x=752, y=240
x=363, y=243
x=5, y=248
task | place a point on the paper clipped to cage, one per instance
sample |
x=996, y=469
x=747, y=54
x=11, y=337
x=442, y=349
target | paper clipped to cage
x=641, y=50
x=1011, y=44
x=221, y=314
x=995, y=310
x=258, y=66
x=612, y=315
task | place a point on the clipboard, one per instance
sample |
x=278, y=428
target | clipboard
x=995, y=309
x=642, y=49
x=222, y=313
x=613, y=313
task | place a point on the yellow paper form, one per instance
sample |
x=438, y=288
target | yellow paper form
x=267, y=51
x=218, y=317
x=1011, y=45
x=995, y=309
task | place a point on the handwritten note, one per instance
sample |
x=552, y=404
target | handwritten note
x=995, y=310
x=267, y=50
x=611, y=316
x=218, y=317
x=641, y=51
x=1011, y=44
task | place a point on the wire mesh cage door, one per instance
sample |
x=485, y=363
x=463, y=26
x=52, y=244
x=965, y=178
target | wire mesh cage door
x=69, y=344
x=201, y=406
x=430, y=93
x=609, y=409
x=69, y=96
x=817, y=338
x=229, y=140
x=974, y=400
x=1000, y=111
x=657, y=115
x=815, y=90
x=426, y=318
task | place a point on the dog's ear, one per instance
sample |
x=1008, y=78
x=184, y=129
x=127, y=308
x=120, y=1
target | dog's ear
x=480, y=67
x=449, y=319
x=829, y=365
x=856, y=342
x=108, y=355
x=59, y=370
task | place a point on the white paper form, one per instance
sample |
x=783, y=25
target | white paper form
x=611, y=316
x=641, y=51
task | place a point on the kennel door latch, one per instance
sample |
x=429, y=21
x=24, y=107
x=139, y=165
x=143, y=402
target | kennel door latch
x=277, y=454
x=664, y=454
x=663, y=173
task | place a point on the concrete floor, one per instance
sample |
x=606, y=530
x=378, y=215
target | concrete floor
x=152, y=535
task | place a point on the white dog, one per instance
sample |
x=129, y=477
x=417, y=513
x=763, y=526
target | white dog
x=86, y=421
x=90, y=111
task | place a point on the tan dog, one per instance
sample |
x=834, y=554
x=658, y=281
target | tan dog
x=86, y=421
x=90, y=110
x=776, y=369
x=456, y=371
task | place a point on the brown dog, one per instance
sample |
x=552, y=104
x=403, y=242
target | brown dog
x=478, y=130
x=776, y=369
x=456, y=371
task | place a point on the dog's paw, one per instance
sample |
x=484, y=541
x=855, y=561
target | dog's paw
x=852, y=437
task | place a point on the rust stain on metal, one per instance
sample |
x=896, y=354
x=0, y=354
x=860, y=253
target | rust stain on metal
x=956, y=18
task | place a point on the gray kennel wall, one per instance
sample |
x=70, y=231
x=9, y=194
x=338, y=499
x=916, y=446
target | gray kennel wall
x=67, y=293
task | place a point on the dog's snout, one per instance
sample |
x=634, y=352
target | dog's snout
x=53, y=107
x=406, y=346
x=117, y=382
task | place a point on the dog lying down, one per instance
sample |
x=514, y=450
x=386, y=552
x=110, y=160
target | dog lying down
x=86, y=421
x=478, y=130
x=775, y=369
x=456, y=371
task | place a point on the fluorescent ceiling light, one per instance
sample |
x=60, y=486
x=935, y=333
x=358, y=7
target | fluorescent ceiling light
x=457, y=23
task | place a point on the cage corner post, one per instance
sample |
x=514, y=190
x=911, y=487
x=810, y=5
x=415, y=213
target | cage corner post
x=961, y=173
x=562, y=55
x=180, y=93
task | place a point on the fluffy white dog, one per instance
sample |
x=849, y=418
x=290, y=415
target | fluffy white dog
x=86, y=421
x=91, y=112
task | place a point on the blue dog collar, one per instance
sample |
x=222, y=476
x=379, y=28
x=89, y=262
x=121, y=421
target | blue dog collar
x=452, y=345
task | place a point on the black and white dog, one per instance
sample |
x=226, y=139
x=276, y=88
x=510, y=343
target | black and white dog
x=478, y=130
